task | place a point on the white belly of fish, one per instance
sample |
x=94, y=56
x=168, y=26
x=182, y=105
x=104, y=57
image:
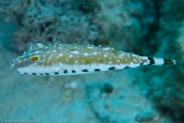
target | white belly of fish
x=66, y=69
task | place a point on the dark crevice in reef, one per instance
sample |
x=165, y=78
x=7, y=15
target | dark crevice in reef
x=149, y=39
x=175, y=116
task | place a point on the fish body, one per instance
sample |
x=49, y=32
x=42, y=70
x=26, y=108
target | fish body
x=72, y=59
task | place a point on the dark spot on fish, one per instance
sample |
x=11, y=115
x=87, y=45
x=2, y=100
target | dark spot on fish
x=41, y=74
x=47, y=74
x=85, y=70
x=73, y=71
x=126, y=67
x=25, y=73
x=112, y=68
x=33, y=73
x=56, y=73
x=167, y=61
x=152, y=61
x=65, y=71
x=97, y=70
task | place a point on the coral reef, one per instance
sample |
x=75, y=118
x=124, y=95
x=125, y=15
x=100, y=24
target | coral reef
x=162, y=88
x=123, y=22
x=47, y=24
x=97, y=22
x=181, y=40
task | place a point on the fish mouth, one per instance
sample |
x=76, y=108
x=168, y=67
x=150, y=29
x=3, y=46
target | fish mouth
x=13, y=65
x=16, y=64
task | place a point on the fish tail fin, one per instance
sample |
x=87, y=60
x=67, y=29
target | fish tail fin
x=160, y=61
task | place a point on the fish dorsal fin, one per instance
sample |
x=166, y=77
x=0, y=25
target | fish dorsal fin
x=36, y=46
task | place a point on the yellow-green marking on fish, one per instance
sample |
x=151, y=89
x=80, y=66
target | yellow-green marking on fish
x=72, y=59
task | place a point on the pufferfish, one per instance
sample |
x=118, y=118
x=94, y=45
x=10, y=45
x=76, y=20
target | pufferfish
x=73, y=59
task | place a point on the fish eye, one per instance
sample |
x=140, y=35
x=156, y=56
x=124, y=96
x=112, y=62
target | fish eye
x=34, y=59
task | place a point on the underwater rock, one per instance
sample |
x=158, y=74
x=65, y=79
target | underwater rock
x=146, y=116
x=123, y=23
x=181, y=40
x=171, y=82
x=83, y=22
x=39, y=22
x=125, y=104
